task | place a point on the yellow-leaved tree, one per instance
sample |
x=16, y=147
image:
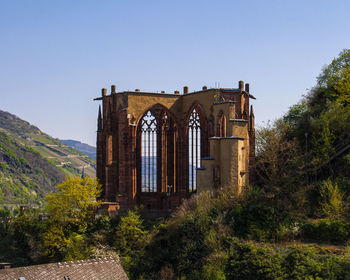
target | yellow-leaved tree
x=75, y=200
x=70, y=209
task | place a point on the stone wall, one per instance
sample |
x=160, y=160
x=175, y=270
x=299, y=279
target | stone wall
x=227, y=159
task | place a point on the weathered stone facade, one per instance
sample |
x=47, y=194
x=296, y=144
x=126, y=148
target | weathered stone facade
x=155, y=149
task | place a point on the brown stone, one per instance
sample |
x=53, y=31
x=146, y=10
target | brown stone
x=226, y=138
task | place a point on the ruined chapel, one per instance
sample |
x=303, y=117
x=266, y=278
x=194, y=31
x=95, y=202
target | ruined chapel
x=155, y=149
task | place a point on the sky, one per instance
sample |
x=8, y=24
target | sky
x=55, y=56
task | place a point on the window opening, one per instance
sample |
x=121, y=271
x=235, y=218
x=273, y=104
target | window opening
x=149, y=131
x=194, y=148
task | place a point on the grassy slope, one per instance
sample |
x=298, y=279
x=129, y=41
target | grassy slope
x=32, y=163
x=82, y=147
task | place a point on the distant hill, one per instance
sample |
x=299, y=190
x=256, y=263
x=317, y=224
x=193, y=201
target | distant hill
x=32, y=163
x=82, y=147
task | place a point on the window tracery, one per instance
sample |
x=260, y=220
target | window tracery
x=194, y=148
x=149, y=130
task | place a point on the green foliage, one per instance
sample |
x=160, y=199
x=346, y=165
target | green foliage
x=343, y=86
x=19, y=181
x=200, y=240
x=321, y=120
x=75, y=201
x=4, y=222
x=258, y=222
x=280, y=162
x=331, y=199
x=71, y=210
x=295, y=114
x=77, y=248
x=323, y=143
x=22, y=243
x=301, y=264
x=130, y=235
x=130, y=239
x=54, y=241
x=336, y=76
x=247, y=261
x=332, y=231
x=3, y=166
x=25, y=150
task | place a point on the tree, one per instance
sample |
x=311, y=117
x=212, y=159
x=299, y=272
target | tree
x=343, y=86
x=130, y=240
x=336, y=78
x=331, y=199
x=332, y=73
x=75, y=201
x=279, y=160
x=323, y=142
x=130, y=235
x=70, y=209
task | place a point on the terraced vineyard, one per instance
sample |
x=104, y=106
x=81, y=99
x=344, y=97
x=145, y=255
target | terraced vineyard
x=32, y=163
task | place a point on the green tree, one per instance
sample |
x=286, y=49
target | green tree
x=70, y=209
x=75, y=201
x=54, y=241
x=343, y=86
x=130, y=234
x=331, y=199
x=323, y=143
x=130, y=240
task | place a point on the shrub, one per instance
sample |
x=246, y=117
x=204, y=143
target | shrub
x=248, y=261
x=305, y=263
x=3, y=166
x=260, y=222
x=326, y=231
x=251, y=261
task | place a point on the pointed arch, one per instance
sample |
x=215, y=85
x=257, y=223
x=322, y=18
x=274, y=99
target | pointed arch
x=156, y=147
x=148, y=130
x=203, y=118
x=196, y=133
x=158, y=109
x=221, y=125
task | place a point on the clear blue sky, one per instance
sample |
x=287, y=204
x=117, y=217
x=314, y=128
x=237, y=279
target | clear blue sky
x=55, y=56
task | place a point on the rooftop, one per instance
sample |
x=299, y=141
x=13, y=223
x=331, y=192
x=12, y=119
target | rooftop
x=95, y=269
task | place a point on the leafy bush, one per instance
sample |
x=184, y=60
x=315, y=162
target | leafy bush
x=305, y=263
x=326, y=231
x=260, y=220
x=3, y=166
x=248, y=261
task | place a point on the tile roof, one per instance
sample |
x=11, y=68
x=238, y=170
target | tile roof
x=94, y=269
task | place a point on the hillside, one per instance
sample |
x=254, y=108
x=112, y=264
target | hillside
x=32, y=163
x=82, y=147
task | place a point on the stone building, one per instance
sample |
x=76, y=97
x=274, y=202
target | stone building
x=155, y=149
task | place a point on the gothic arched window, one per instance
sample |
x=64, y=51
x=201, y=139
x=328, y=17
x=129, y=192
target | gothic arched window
x=149, y=131
x=221, y=126
x=194, y=148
